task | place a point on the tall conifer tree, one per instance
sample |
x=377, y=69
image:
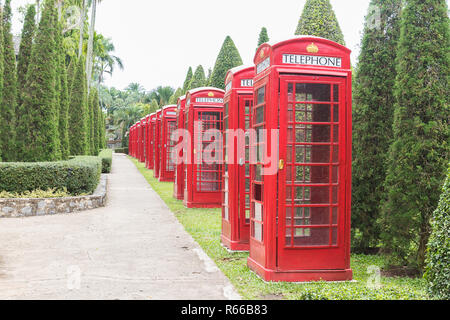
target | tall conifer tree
x=263, y=37
x=1, y=84
x=318, y=19
x=199, y=78
x=40, y=135
x=187, y=81
x=79, y=112
x=91, y=124
x=419, y=154
x=9, y=101
x=373, y=115
x=26, y=43
x=227, y=59
x=96, y=108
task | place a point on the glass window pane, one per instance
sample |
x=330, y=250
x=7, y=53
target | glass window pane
x=312, y=92
x=260, y=94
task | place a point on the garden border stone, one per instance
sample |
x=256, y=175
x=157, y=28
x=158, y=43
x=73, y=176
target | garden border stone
x=20, y=208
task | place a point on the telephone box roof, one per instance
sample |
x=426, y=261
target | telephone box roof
x=193, y=91
x=169, y=106
x=240, y=68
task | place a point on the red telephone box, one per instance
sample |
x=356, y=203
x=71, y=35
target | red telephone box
x=150, y=124
x=157, y=145
x=300, y=212
x=145, y=135
x=130, y=140
x=142, y=141
x=203, y=157
x=168, y=127
x=238, y=103
x=178, y=186
x=138, y=141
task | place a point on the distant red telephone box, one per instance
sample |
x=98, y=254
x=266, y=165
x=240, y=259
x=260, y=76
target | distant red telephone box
x=142, y=141
x=138, y=140
x=150, y=125
x=178, y=186
x=131, y=141
x=203, y=159
x=157, y=145
x=145, y=142
x=168, y=127
x=300, y=213
x=238, y=103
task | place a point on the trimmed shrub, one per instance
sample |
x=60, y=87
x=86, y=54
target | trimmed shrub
x=106, y=156
x=372, y=129
x=318, y=19
x=199, y=78
x=121, y=150
x=79, y=175
x=419, y=154
x=438, y=251
x=263, y=37
x=227, y=59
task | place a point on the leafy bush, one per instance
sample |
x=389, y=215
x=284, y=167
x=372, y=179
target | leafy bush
x=79, y=175
x=438, y=252
x=106, y=156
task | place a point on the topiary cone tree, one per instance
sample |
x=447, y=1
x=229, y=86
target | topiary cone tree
x=263, y=37
x=26, y=43
x=79, y=112
x=199, y=78
x=419, y=154
x=373, y=115
x=2, y=125
x=9, y=101
x=39, y=125
x=187, y=81
x=227, y=59
x=318, y=19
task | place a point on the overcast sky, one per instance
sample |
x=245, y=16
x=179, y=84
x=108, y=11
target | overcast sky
x=159, y=40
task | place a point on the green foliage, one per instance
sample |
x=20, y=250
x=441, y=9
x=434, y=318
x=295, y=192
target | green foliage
x=79, y=112
x=106, y=156
x=38, y=129
x=318, y=19
x=9, y=99
x=28, y=32
x=438, y=250
x=263, y=37
x=419, y=155
x=373, y=115
x=187, y=82
x=174, y=97
x=199, y=78
x=227, y=59
x=80, y=175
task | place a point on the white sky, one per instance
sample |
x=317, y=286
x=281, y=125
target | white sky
x=159, y=40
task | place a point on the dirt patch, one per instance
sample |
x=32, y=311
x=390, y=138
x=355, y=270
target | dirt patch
x=271, y=297
x=395, y=272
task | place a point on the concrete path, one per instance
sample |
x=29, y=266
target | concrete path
x=134, y=248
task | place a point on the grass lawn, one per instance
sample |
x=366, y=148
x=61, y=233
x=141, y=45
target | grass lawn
x=205, y=227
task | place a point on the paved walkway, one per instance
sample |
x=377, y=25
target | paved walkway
x=134, y=248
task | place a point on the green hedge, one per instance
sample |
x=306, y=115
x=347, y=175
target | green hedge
x=438, y=252
x=106, y=156
x=121, y=150
x=79, y=175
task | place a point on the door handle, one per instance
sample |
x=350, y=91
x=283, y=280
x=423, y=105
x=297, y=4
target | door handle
x=281, y=164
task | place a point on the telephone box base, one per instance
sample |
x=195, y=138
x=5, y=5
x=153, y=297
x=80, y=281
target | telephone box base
x=234, y=245
x=165, y=179
x=178, y=196
x=300, y=275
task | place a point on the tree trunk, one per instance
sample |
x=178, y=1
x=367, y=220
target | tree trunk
x=37, y=11
x=83, y=15
x=90, y=54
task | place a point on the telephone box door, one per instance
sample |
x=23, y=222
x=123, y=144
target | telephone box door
x=311, y=188
x=245, y=103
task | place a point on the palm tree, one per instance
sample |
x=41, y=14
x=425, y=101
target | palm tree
x=104, y=60
x=90, y=58
x=83, y=18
